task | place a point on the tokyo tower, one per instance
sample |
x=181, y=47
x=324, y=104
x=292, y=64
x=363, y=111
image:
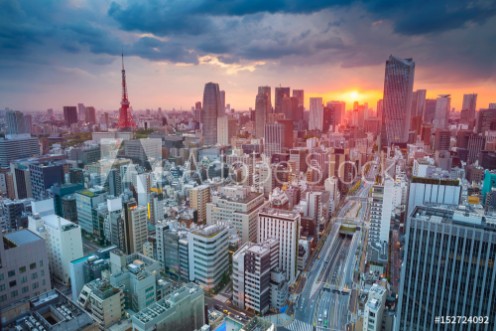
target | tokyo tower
x=126, y=121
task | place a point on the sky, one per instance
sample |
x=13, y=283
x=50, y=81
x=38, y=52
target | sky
x=63, y=52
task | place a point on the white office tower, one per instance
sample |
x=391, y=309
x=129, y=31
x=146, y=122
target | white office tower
x=136, y=219
x=198, y=198
x=113, y=228
x=208, y=255
x=62, y=237
x=285, y=227
x=380, y=219
x=252, y=266
x=317, y=207
x=331, y=185
x=426, y=190
x=374, y=308
x=443, y=106
x=236, y=206
x=316, y=121
x=143, y=185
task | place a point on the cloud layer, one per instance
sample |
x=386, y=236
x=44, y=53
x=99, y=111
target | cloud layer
x=449, y=39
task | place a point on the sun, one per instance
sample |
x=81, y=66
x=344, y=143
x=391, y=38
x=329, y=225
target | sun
x=354, y=95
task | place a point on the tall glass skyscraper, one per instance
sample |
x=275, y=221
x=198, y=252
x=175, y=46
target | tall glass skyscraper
x=211, y=109
x=262, y=110
x=448, y=269
x=397, y=100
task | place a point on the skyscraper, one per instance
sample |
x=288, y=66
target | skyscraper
x=81, y=110
x=285, y=227
x=443, y=106
x=212, y=107
x=316, y=121
x=418, y=109
x=15, y=124
x=468, y=108
x=418, y=103
x=300, y=95
x=273, y=138
x=262, y=109
x=397, y=100
x=448, y=268
x=70, y=115
x=90, y=115
x=280, y=92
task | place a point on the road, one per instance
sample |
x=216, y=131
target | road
x=324, y=299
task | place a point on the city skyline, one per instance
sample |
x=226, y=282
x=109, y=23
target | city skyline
x=325, y=52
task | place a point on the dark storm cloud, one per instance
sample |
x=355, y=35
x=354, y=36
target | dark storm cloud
x=451, y=34
x=409, y=17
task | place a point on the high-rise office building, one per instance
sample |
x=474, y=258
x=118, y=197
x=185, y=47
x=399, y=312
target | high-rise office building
x=316, y=121
x=43, y=176
x=23, y=266
x=274, y=133
x=418, y=109
x=135, y=226
x=211, y=110
x=426, y=190
x=397, y=100
x=486, y=120
x=430, y=111
x=280, y=93
x=17, y=148
x=285, y=227
x=81, y=110
x=238, y=206
x=62, y=238
x=374, y=309
x=199, y=196
x=300, y=96
x=15, y=125
x=90, y=115
x=70, y=115
x=448, y=268
x=469, y=107
x=418, y=103
x=208, y=255
x=87, y=202
x=442, y=140
x=380, y=220
x=443, y=106
x=252, y=267
x=262, y=110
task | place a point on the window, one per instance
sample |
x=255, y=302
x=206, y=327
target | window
x=12, y=283
x=34, y=275
x=13, y=294
x=32, y=266
x=11, y=273
x=25, y=289
x=2, y=287
x=22, y=269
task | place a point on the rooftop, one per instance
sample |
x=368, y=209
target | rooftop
x=50, y=311
x=22, y=237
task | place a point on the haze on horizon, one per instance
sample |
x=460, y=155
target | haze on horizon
x=64, y=52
